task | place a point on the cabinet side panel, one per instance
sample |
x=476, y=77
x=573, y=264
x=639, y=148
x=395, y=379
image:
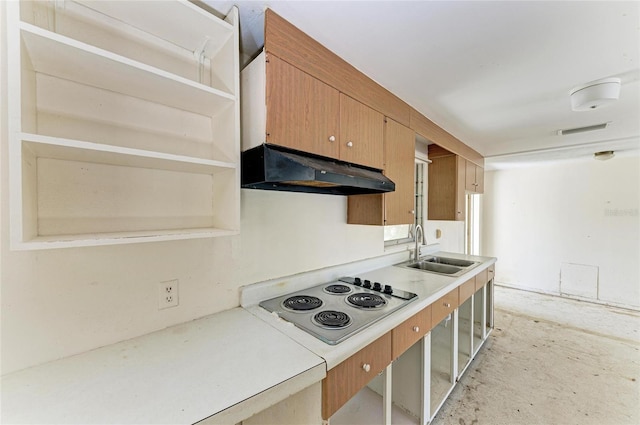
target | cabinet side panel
x=294, y=46
x=252, y=104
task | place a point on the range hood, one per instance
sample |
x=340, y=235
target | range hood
x=272, y=167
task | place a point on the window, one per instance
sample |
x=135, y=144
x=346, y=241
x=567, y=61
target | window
x=472, y=225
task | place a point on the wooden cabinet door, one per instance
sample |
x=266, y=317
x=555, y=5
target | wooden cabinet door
x=441, y=198
x=410, y=331
x=470, y=175
x=399, y=159
x=466, y=290
x=302, y=112
x=461, y=172
x=491, y=271
x=361, y=133
x=481, y=279
x=479, y=179
x=474, y=177
x=444, y=306
x=346, y=379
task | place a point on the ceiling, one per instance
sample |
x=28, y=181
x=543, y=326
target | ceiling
x=496, y=75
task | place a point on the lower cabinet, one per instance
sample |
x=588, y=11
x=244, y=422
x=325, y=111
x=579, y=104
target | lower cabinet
x=350, y=376
x=416, y=365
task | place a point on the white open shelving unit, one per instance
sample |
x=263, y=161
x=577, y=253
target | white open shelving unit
x=123, y=123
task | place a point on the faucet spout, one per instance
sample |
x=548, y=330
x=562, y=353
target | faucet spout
x=416, y=252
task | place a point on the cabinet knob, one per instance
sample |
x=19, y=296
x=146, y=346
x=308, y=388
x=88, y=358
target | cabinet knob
x=416, y=329
x=412, y=212
x=332, y=138
x=447, y=305
x=350, y=144
x=366, y=367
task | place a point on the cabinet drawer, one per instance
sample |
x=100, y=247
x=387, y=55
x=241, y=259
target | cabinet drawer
x=482, y=278
x=444, y=306
x=410, y=331
x=346, y=379
x=466, y=290
x=492, y=271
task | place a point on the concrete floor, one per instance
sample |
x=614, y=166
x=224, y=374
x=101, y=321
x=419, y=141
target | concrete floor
x=549, y=360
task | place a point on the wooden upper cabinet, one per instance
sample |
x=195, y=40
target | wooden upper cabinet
x=399, y=151
x=474, y=177
x=392, y=207
x=289, y=43
x=361, y=133
x=446, y=193
x=302, y=112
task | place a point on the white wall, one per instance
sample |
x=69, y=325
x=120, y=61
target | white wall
x=575, y=222
x=60, y=302
x=451, y=235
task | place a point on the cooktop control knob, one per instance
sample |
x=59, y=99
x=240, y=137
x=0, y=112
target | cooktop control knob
x=367, y=283
x=357, y=281
x=377, y=286
x=387, y=289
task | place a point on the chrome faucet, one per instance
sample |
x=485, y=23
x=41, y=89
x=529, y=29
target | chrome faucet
x=416, y=253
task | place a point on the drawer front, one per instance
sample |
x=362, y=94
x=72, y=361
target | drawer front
x=466, y=290
x=482, y=278
x=346, y=379
x=410, y=331
x=444, y=306
x=492, y=271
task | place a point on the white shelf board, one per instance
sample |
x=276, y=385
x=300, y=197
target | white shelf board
x=119, y=238
x=63, y=57
x=75, y=150
x=203, y=29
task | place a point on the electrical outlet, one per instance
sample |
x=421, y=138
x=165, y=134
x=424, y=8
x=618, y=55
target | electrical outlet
x=168, y=294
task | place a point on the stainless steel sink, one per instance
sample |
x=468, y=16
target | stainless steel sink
x=450, y=261
x=441, y=265
x=435, y=267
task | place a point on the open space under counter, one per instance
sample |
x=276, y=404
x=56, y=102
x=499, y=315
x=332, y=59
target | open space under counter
x=230, y=365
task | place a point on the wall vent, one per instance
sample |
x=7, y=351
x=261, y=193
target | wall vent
x=582, y=129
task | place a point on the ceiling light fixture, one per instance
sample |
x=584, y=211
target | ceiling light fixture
x=595, y=94
x=604, y=155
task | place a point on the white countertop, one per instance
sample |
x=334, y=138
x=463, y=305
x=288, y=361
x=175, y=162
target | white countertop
x=180, y=375
x=428, y=286
x=223, y=368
